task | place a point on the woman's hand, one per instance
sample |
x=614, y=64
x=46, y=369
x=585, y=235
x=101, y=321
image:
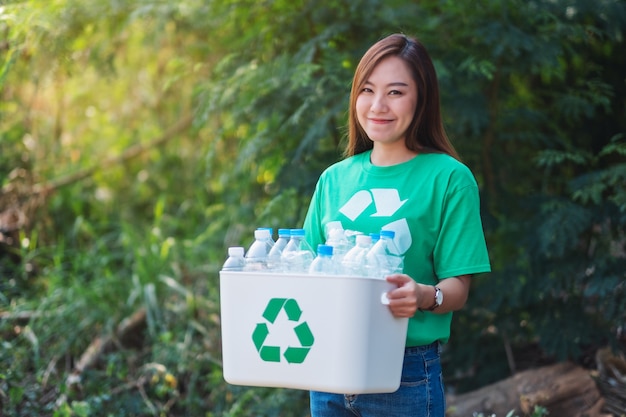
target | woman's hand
x=404, y=300
x=410, y=296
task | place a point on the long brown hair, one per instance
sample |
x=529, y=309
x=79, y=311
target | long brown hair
x=426, y=131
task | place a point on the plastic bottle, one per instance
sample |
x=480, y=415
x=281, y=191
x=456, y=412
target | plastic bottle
x=323, y=263
x=273, y=258
x=256, y=257
x=235, y=260
x=270, y=239
x=395, y=259
x=378, y=262
x=297, y=255
x=336, y=237
x=354, y=260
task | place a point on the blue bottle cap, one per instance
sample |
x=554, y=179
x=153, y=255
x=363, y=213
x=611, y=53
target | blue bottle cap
x=324, y=250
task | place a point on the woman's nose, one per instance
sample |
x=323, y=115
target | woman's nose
x=379, y=104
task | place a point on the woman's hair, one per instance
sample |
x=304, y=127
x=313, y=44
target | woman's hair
x=426, y=131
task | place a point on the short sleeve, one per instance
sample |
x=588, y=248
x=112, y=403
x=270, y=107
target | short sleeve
x=460, y=248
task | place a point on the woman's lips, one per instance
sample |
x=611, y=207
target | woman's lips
x=380, y=121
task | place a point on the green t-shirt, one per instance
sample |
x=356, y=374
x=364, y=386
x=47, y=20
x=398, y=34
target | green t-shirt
x=432, y=204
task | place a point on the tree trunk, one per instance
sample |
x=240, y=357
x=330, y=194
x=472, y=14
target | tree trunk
x=564, y=389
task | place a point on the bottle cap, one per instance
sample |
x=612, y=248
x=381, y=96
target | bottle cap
x=235, y=251
x=387, y=233
x=324, y=250
x=363, y=240
x=271, y=230
x=262, y=234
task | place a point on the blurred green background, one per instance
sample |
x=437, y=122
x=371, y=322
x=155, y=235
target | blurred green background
x=141, y=138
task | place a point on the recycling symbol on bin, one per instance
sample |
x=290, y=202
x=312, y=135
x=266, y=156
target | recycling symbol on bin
x=292, y=354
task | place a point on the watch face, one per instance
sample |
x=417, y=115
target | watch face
x=438, y=296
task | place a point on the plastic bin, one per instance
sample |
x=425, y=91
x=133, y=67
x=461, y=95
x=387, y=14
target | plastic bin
x=322, y=333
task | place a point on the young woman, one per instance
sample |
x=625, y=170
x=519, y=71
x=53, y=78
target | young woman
x=402, y=173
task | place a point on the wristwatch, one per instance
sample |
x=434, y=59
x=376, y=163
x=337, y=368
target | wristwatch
x=438, y=299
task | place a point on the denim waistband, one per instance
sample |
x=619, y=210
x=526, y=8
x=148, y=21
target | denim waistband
x=424, y=348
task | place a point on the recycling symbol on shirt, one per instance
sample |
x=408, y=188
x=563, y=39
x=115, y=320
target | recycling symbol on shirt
x=292, y=354
x=386, y=202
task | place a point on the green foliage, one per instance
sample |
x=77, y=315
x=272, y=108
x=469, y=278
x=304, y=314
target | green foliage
x=547, y=147
x=533, y=99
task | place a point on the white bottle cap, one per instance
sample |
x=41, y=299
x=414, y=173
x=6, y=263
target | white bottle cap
x=262, y=234
x=235, y=251
x=363, y=240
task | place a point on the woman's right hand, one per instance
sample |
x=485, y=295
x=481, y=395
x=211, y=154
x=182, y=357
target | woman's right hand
x=405, y=300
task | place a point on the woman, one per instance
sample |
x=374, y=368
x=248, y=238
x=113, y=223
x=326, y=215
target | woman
x=402, y=173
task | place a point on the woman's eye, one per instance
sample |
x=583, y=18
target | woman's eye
x=395, y=92
x=366, y=90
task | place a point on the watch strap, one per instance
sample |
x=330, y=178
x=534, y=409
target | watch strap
x=435, y=302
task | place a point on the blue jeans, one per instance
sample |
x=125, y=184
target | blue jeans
x=421, y=392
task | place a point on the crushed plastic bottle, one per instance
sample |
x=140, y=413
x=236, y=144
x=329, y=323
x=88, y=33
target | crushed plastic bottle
x=337, y=238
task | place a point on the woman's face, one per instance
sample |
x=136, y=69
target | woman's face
x=386, y=103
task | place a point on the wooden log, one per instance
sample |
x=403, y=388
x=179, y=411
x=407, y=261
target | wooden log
x=611, y=379
x=564, y=389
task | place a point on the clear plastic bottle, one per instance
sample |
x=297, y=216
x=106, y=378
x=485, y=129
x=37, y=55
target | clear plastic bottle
x=235, y=260
x=394, y=258
x=297, y=255
x=378, y=262
x=354, y=260
x=323, y=263
x=336, y=237
x=273, y=258
x=270, y=239
x=256, y=256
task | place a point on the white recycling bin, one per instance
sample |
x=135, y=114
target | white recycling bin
x=312, y=332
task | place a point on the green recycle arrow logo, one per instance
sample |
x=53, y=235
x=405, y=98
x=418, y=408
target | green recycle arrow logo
x=292, y=354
